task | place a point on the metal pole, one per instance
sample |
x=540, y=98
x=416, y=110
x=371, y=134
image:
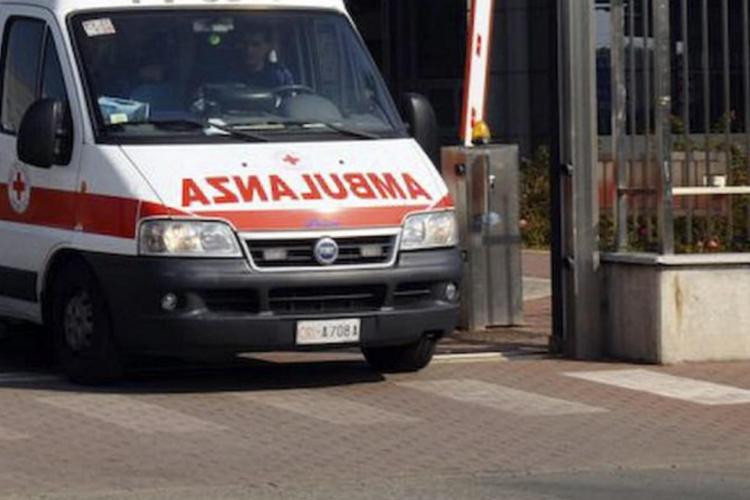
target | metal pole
x=580, y=207
x=706, y=63
x=633, y=109
x=727, y=114
x=663, y=111
x=686, y=120
x=648, y=121
x=619, y=109
x=746, y=94
x=556, y=175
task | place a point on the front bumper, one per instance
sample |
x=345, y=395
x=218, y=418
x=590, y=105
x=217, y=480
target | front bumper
x=224, y=305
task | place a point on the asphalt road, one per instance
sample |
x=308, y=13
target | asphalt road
x=708, y=482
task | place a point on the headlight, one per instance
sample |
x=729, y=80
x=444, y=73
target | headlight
x=431, y=230
x=184, y=238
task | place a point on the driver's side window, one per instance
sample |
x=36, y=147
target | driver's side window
x=27, y=43
x=22, y=49
x=53, y=82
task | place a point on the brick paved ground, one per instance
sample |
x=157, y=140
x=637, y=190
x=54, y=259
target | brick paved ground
x=299, y=423
x=536, y=264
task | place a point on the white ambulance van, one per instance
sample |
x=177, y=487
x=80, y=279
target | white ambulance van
x=223, y=175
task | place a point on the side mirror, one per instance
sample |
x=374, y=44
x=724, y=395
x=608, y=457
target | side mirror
x=421, y=118
x=45, y=135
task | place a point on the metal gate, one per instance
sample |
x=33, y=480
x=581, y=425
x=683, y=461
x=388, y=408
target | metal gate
x=654, y=142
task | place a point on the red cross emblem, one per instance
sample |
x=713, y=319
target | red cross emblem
x=19, y=186
x=19, y=190
x=292, y=160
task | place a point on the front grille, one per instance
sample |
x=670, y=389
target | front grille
x=294, y=253
x=231, y=301
x=409, y=294
x=326, y=299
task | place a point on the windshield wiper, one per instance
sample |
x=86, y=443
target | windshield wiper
x=195, y=125
x=336, y=128
x=361, y=134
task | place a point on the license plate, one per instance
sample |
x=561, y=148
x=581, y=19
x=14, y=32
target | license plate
x=333, y=331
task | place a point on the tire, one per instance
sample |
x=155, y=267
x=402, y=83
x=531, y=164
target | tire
x=82, y=328
x=401, y=359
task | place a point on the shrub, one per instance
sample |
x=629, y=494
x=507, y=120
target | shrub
x=535, y=200
x=714, y=231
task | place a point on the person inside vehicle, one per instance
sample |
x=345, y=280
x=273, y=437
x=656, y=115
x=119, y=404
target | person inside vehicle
x=154, y=83
x=257, y=68
x=108, y=78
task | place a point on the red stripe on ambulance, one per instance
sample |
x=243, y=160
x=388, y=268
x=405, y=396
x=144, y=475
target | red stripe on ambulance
x=90, y=213
x=118, y=217
x=76, y=211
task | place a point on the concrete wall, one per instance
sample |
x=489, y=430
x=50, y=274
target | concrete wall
x=679, y=308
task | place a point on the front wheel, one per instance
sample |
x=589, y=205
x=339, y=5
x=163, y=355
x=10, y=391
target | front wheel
x=82, y=328
x=406, y=358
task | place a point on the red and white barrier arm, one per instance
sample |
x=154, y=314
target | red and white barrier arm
x=478, y=48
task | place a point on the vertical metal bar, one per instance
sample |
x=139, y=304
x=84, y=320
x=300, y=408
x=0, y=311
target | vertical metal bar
x=746, y=94
x=727, y=68
x=647, y=96
x=557, y=198
x=633, y=105
x=746, y=76
x=706, y=69
x=663, y=111
x=686, y=119
x=619, y=106
x=706, y=63
x=727, y=114
x=578, y=134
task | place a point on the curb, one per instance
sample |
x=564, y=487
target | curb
x=488, y=357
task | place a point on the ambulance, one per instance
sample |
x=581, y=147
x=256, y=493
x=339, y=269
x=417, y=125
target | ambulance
x=229, y=176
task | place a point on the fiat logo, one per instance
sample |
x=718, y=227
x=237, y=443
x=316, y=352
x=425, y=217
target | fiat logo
x=326, y=251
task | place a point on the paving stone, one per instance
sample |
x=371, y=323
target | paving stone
x=129, y=413
x=501, y=398
x=295, y=424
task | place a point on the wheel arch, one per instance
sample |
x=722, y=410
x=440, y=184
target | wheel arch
x=57, y=262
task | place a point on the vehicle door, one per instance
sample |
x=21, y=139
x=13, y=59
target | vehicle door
x=37, y=205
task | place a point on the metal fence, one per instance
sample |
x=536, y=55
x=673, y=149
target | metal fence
x=674, y=108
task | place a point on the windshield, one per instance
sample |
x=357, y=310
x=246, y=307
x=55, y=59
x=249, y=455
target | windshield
x=230, y=75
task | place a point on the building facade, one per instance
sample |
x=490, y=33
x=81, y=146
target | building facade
x=420, y=46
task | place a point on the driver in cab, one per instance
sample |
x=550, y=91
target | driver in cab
x=257, y=70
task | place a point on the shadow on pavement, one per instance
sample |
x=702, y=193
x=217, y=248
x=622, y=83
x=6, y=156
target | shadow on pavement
x=247, y=374
x=24, y=364
x=23, y=349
